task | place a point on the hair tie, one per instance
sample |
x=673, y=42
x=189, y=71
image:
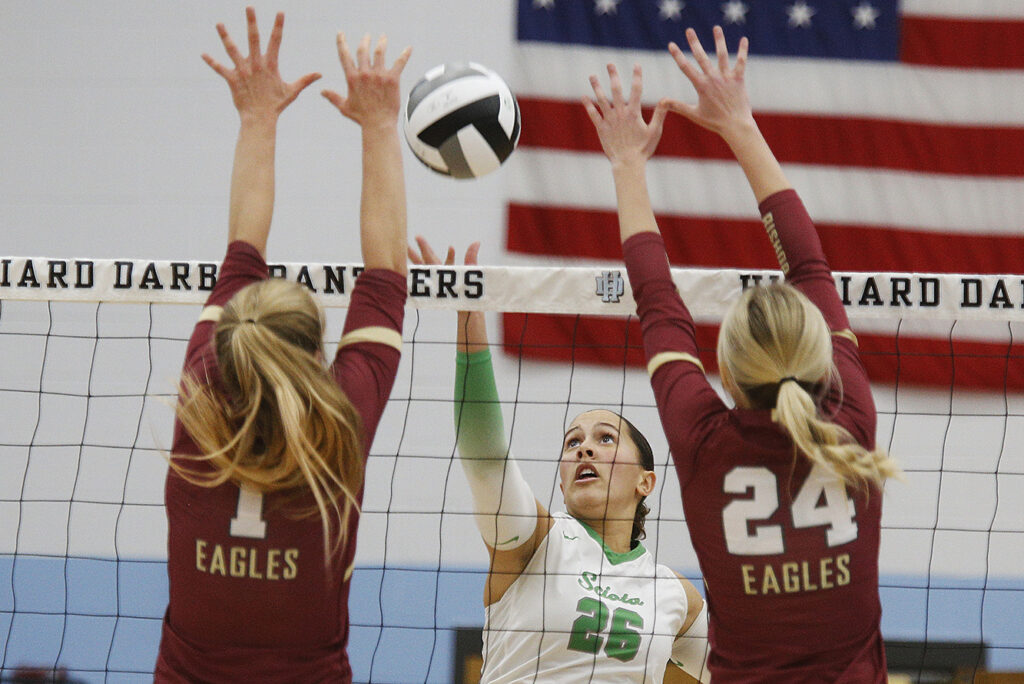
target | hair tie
x=788, y=378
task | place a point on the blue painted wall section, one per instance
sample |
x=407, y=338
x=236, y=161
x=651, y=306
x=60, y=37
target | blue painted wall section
x=403, y=620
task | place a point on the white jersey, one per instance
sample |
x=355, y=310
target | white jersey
x=582, y=613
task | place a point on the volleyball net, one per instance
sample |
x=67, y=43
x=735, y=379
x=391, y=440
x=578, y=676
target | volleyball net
x=90, y=353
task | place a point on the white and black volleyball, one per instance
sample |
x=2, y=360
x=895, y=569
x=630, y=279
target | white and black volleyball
x=462, y=120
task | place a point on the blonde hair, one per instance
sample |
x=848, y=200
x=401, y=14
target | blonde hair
x=775, y=346
x=284, y=425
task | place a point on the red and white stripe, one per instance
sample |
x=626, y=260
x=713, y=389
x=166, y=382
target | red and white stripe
x=910, y=166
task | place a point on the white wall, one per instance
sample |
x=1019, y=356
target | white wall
x=116, y=141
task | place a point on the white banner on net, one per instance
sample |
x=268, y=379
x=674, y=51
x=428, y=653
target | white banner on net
x=568, y=290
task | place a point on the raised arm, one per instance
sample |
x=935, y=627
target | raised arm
x=260, y=95
x=511, y=521
x=724, y=108
x=471, y=335
x=683, y=394
x=373, y=102
x=628, y=142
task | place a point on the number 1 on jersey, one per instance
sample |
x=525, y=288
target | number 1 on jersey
x=248, y=521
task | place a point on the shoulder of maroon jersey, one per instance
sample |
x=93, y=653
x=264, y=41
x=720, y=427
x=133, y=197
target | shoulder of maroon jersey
x=739, y=427
x=203, y=360
x=744, y=417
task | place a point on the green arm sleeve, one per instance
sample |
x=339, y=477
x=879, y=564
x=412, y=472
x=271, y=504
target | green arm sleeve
x=504, y=506
x=479, y=427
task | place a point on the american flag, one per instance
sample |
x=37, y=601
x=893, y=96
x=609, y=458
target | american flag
x=901, y=124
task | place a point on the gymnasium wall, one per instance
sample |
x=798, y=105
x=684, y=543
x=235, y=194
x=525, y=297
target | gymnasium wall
x=117, y=141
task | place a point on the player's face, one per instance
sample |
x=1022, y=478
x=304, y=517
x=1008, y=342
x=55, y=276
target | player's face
x=601, y=474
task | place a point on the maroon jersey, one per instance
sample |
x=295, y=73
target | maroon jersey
x=250, y=596
x=789, y=554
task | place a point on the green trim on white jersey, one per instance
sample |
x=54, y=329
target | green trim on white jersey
x=614, y=557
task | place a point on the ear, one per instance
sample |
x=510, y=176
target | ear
x=646, y=484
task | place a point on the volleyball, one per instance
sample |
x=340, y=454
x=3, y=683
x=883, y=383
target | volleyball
x=462, y=120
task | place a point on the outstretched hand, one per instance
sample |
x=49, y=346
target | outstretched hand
x=722, y=105
x=256, y=85
x=373, y=93
x=427, y=257
x=625, y=137
x=472, y=327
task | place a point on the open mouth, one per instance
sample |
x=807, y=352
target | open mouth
x=585, y=472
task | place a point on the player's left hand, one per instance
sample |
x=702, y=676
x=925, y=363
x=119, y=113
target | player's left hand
x=625, y=137
x=373, y=95
x=471, y=326
x=256, y=85
x=722, y=105
x=427, y=257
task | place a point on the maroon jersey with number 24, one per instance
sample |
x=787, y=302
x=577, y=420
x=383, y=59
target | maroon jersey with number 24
x=789, y=554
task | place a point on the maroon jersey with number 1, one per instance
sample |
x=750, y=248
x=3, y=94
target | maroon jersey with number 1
x=250, y=596
x=788, y=553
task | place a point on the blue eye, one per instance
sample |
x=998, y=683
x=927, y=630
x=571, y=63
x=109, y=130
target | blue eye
x=608, y=438
x=573, y=441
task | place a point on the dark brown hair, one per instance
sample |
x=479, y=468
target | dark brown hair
x=647, y=461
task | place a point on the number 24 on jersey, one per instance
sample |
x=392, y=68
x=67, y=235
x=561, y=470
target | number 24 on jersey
x=746, y=533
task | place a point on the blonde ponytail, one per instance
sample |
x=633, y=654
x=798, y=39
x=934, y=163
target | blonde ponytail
x=776, y=350
x=828, y=444
x=283, y=425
